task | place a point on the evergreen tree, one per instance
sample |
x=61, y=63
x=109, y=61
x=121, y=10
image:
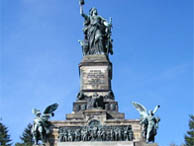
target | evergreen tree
x=27, y=137
x=173, y=144
x=4, y=136
x=22, y=144
x=189, y=137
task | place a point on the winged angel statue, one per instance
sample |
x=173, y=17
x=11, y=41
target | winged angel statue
x=40, y=128
x=148, y=121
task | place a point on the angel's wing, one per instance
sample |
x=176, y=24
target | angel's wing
x=141, y=109
x=51, y=108
x=35, y=111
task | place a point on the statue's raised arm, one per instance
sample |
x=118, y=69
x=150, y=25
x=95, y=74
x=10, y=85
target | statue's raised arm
x=156, y=109
x=81, y=3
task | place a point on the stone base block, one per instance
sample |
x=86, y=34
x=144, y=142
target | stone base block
x=145, y=144
x=122, y=143
x=150, y=144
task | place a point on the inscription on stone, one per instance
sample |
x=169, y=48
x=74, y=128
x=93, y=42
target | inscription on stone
x=94, y=78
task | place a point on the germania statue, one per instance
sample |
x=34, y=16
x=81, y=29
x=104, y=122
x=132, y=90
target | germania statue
x=148, y=121
x=41, y=126
x=97, y=33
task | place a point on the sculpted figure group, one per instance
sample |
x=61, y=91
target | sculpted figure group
x=97, y=33
x=96, y=134
x=148, y=121
x=96, y=101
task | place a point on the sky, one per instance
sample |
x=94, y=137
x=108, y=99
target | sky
x=152, y=61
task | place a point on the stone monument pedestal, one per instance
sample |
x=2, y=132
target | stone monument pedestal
x=122, y=143
x=117, y=143
x=96, y=120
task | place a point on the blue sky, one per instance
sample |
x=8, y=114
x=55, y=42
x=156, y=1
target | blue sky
x=152, y=61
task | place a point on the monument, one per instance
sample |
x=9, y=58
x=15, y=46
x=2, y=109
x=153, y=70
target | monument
x=95, y=119
x=41, y=124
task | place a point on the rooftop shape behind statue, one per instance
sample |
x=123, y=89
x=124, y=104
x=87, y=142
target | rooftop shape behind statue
x=97, y=32
x=148, y=121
